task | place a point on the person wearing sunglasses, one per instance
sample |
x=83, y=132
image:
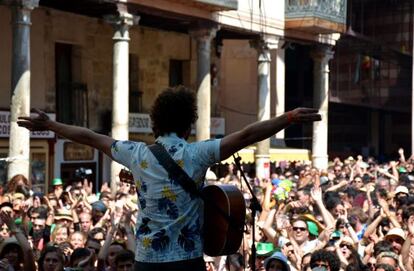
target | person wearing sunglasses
x=348, y=254
x=301, y=236
x=322, y=260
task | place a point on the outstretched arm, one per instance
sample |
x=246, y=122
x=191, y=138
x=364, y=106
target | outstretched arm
x=81, y=135
x=263, y=129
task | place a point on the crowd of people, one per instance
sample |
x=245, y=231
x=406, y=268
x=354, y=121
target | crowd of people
x=356, y=215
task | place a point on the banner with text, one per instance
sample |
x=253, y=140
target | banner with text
x=5, y=126
x=141, y=123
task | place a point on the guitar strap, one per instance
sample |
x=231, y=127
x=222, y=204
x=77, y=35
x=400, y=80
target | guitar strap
x=174, y=170
x=180, y=176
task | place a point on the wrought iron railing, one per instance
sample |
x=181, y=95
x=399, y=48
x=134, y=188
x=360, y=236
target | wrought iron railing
x=72, y=104
x=331, y=10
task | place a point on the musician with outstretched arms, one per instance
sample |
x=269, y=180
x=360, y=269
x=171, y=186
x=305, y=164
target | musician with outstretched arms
x=170, y=220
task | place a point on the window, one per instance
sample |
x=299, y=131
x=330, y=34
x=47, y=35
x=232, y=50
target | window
x=176, y=72
x=135, y=96
x=71, y=95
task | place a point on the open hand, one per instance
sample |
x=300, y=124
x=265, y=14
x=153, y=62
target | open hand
x=316, y=194
x=87, y=187
x=5, y=265
x=8, y=220
x=303, y=115
x=37, y=123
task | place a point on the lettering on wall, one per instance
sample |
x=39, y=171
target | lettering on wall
x=5, y=127
x=77, y=152
x=141, y=123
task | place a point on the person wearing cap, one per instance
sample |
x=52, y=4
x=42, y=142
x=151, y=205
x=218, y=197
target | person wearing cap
x=57, y=186
x=276, y=262
x=98, y=212
x=263, y=250
x=401, y=192
x=396, y=236
x=63, y=217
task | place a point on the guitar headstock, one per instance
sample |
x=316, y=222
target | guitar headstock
x=126, y=176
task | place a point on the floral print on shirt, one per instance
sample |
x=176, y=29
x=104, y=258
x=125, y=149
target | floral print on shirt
x=169, y=219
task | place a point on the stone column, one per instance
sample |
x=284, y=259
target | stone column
x=19, y=140
x=262, y=155
x=280, y=89
x=120, y=94
x=203, y=35
x=321, y=57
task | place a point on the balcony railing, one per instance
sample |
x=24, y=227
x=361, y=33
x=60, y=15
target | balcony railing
x=221, y=4
x=332, y=12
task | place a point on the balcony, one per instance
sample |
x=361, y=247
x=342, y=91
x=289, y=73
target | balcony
x=316, y=16
x=212, y=5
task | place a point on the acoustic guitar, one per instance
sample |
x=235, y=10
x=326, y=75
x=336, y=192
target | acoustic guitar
x=224, y=216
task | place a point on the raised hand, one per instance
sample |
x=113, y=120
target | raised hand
x=303, y=115
x=37, y=123
x=87, y=187
x=5, y=265
x=316, y=194
x=8, y=220
x=127, y=212
x=326, y=234
x=411, y=225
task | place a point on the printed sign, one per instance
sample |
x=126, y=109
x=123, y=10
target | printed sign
x=141, y=123
x=5, y=127
x=77, y=152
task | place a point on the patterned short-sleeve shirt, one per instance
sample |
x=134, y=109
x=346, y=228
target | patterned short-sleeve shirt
x=169, y=223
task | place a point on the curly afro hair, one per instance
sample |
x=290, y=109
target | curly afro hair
x=326, y=256
x=174, y=111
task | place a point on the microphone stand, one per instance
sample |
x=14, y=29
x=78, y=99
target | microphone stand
x=254, y=207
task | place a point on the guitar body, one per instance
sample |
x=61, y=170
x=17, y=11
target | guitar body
x=222, y=237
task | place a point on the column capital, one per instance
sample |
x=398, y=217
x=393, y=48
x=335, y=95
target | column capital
x=263, y=47
x=24, y=4
x=121, y=22
x=21, y=11
x=204, y=31
x=122, y=19
x=322, y=53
